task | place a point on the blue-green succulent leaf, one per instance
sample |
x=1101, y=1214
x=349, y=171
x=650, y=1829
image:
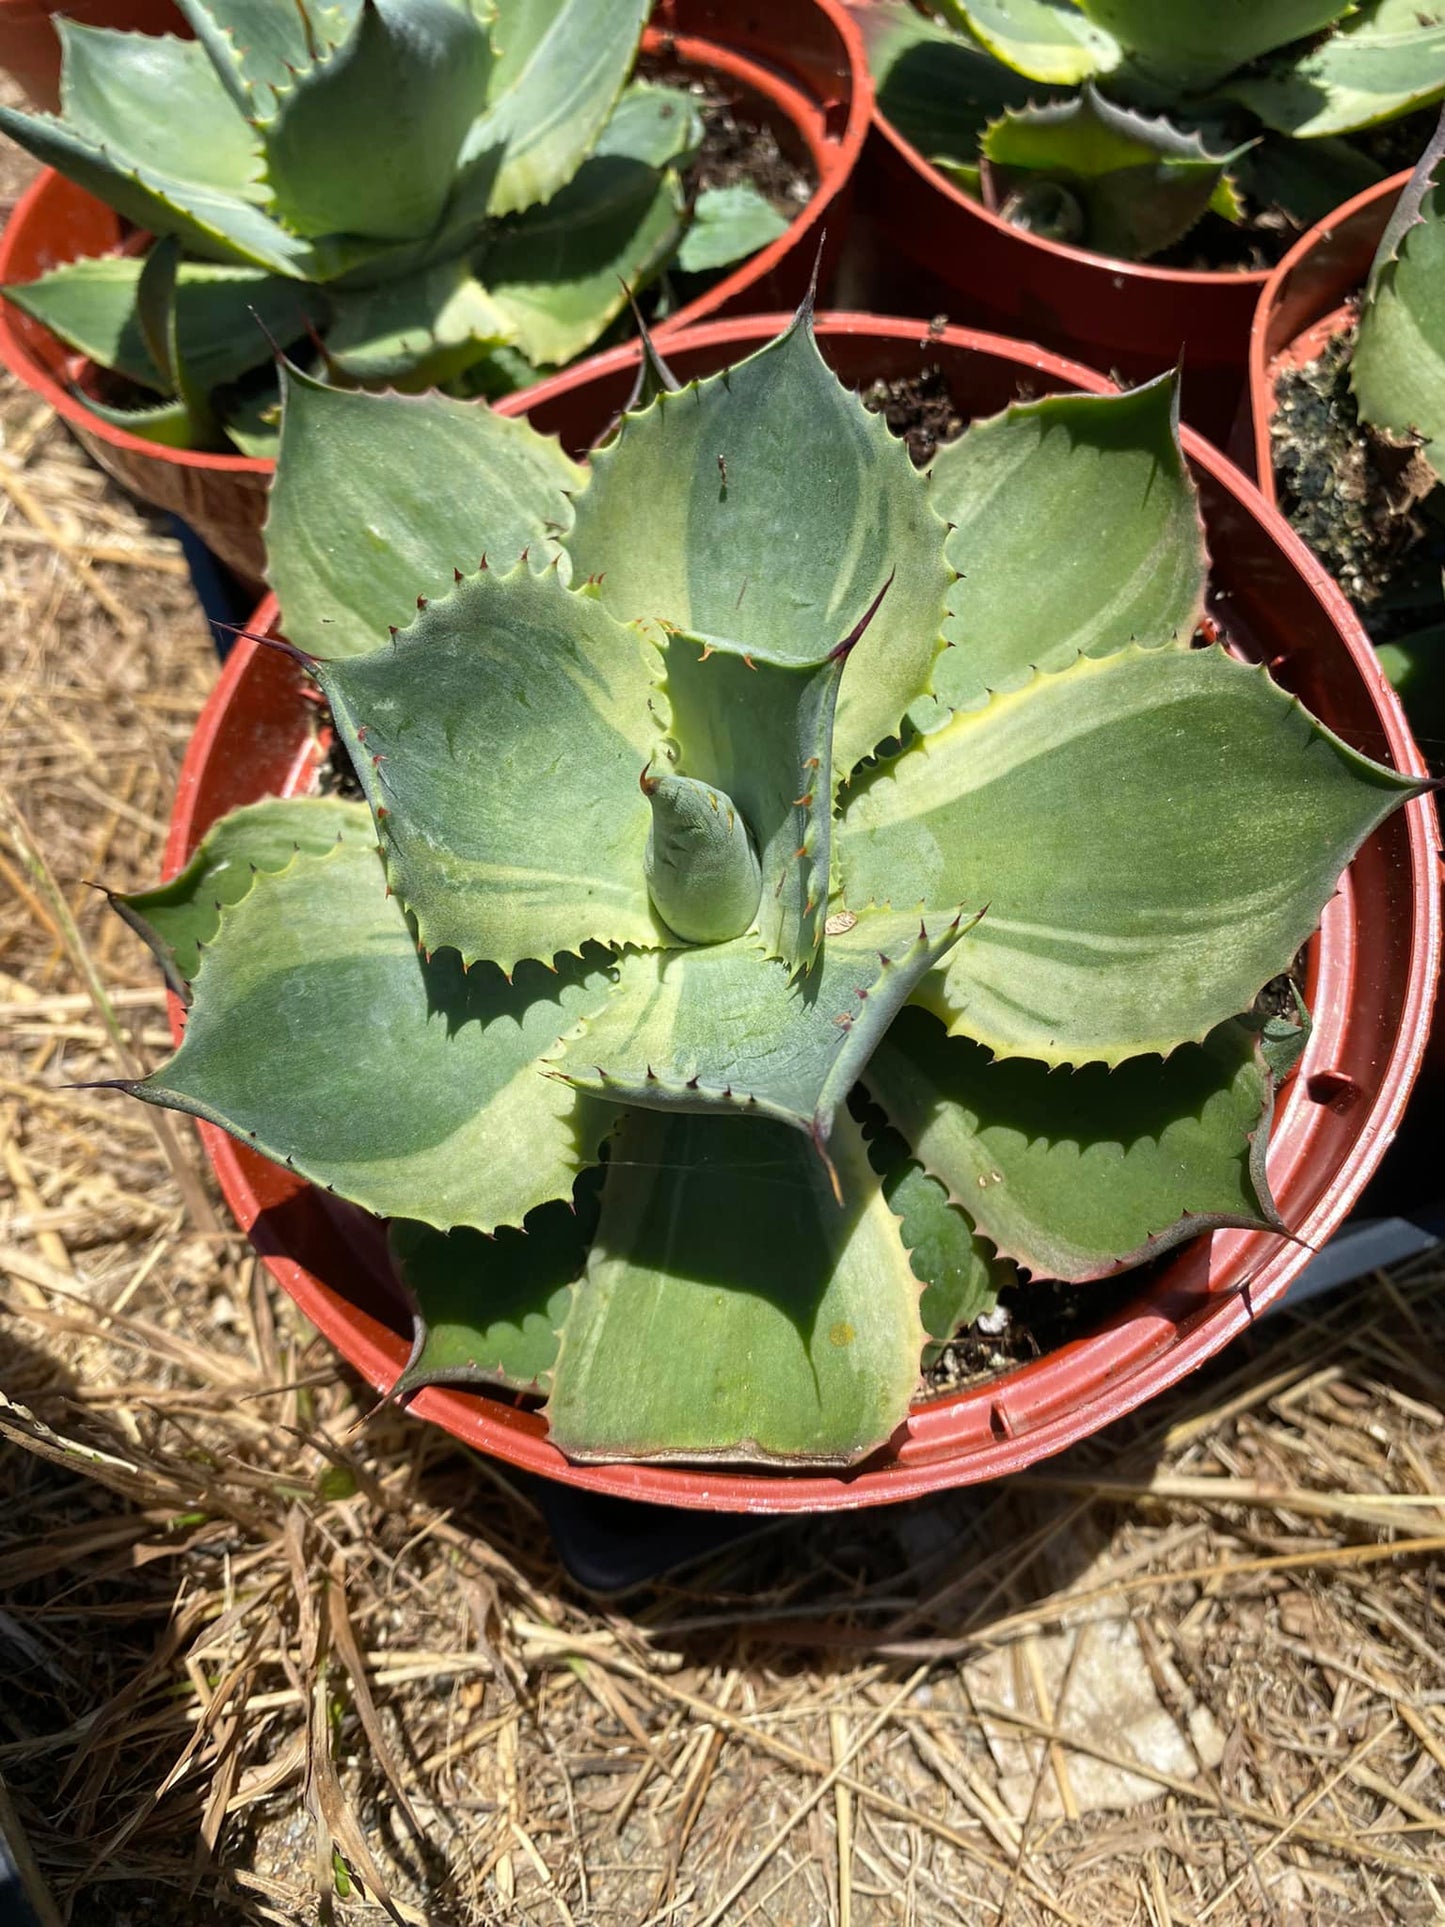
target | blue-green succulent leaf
x=411, y=1087
x=561, y=66
x=732, y=1309
x=366, y=141
x=777, y=556
x=728, y=224
x=1385, y=59
x=1078, y=1174
x=499, y=740
x=381, y=498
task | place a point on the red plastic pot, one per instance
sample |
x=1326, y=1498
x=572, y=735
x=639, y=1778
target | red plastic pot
x=1371, y=983
x=30, y=46
x=798, y=68
x=1125, y=318
x=1306, y=301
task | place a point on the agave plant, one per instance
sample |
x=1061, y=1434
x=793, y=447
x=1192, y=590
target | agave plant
x=792, y=891
x=1396, y=370
x=1117, y=124
x=421, y=187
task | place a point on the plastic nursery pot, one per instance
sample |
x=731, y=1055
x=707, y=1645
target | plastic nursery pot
x=1371, y=982
x=1306, y=301
x=30, y=46
x=803, y=75
x=1125, y=317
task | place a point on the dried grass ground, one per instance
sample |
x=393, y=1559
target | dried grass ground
x=269, y=1657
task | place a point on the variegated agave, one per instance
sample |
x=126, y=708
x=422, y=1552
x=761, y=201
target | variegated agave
x=1116, y=124
x=791, y=890
x=425, y=187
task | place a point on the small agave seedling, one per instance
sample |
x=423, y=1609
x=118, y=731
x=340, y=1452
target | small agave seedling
x=791, y=891
x=1116, y=124
x=421, y=186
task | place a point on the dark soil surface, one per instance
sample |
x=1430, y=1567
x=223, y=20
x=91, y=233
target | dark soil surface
x=1353, y=495
x=1030, y=1320
x=1277, y=997
x=1397, y=143
x=1216, y=246
x=918, y=408
x=735, y=148
x=337, y=775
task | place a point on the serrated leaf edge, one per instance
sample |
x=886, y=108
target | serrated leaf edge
x=931, y=997
x=368, y=769
x=1186, y=1226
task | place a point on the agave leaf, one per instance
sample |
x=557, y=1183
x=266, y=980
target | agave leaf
x=380, y=498
x=660, y=126
x=228, y=319
x=1049, y=40
x=967, y=176
x=1398, y=367
x=561, y=66
x=435, y=1108
x=561, y=272
x=1415, y=665
x=1409, y=209
x=167, y=423
x=1078, y=1174
x=1106, y=476
x=158, y=103
x=937, y=85
x=216, y=225
x=252, y=425
x=155, y=303
x=732, y=1310
x=366, y=141
x=91, y=305
x=223, y=315
x=1155, y=833
x=499, y=740
x=1192, y=44
x=256, y=46
x=177, y=918
x=423, y=329
x=1282, y=1039
x=1382, y=61
x=721, y=1028
x=760, y=729
x=961, y=1277
x=777, y=556
x=518, y=29
x=728, y=224
x=1130, y=184
x=489, y=1310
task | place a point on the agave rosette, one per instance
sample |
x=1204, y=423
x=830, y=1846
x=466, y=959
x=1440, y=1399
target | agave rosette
x=986, y=864
x=428, y=189
x=1118, y=124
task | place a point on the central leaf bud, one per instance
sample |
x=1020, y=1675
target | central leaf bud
x=701, y=867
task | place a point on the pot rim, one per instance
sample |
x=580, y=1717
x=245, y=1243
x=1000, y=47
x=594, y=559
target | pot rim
x=1070, y=1393
x=833, y=159
x=1261, y=355
x=1084, y=257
